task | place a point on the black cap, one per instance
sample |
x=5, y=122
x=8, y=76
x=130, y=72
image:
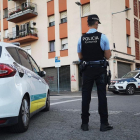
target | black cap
x=93, y=18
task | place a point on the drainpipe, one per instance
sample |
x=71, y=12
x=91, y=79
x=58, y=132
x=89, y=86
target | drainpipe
x=1, y=20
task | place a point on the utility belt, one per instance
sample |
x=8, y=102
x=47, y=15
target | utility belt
x=101, y=63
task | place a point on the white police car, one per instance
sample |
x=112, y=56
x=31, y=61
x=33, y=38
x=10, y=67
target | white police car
x=129, y=83
x=23, y=91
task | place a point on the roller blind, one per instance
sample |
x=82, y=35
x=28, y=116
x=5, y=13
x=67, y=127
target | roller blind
x=51, y=18
x=86, y=9
x=65, y=41
x=63, y=14
x=123, y=68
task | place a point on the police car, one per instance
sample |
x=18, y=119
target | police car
x=23, y=91
x=129, y=83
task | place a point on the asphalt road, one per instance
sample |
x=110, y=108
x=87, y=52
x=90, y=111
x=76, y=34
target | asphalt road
x=63, y=121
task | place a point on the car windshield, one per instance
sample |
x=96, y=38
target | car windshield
x=130, y=75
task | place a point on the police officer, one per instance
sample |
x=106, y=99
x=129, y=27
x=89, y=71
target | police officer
x=93, y=48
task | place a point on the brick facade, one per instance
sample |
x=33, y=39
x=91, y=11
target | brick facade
x=137, y=50
x=135, y=8
x=136, y=28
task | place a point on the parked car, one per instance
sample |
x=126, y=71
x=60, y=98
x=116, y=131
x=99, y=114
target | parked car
x=129, y=83
x=23, y=91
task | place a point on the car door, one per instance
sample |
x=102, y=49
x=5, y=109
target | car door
x=138, y=81
x=30, y=77
x=41, y=85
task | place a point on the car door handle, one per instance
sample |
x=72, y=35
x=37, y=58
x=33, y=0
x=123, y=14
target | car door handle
x=29, y=75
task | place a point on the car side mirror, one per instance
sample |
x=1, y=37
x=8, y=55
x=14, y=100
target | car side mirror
x=139, y=77
x=42, y=73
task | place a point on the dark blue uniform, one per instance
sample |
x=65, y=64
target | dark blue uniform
x=91, y=51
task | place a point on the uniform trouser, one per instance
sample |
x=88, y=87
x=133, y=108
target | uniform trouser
x=99, y=75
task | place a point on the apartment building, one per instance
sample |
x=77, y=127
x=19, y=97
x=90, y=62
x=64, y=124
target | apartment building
x=49, y=28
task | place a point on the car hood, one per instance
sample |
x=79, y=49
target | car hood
x=125, y=79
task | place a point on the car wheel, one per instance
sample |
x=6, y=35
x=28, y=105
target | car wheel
x=23, y=118
x=47, y=108
x=130, y=90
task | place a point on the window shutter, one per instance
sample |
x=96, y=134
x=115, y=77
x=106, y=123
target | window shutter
x=51, y=18
x=86, y=9
x=63, y=14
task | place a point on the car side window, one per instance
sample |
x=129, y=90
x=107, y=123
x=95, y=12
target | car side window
x=138, y=76
x=24, y=59
x=14, y=54
x=34, y=65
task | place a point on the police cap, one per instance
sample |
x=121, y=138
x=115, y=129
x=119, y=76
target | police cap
x=93, y=18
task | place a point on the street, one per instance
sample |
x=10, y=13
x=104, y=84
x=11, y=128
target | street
x=63, y=121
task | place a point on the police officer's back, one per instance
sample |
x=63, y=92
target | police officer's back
x=93, y=48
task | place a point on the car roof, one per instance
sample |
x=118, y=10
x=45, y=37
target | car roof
x=4, y=44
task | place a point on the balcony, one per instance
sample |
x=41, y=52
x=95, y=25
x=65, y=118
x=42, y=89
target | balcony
x=22, y=12
x=23, y=36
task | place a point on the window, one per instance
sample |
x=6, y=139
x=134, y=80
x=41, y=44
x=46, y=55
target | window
x=24, y=59
x=127, y=40
x=6, y=33
x=51, y=21
x=86, y=9
x=63, y=17
x=27, y=49
x=34, y=65
x=23, y=5
x=64, y=44
x=52, y=46
x=5, y=12
x=0, y=50
x=13, y=52
x=23, y=31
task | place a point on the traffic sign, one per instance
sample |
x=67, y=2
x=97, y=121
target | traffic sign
x=57, y=62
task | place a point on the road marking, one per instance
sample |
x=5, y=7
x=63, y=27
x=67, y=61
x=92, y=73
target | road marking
x=137, y=114
x=73, y=100
x=95, y=111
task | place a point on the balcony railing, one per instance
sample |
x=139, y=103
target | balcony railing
x=22, y=10
x=22, y=33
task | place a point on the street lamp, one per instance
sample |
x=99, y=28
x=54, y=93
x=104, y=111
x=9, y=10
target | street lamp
x=79, y=4
x=127, y=9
